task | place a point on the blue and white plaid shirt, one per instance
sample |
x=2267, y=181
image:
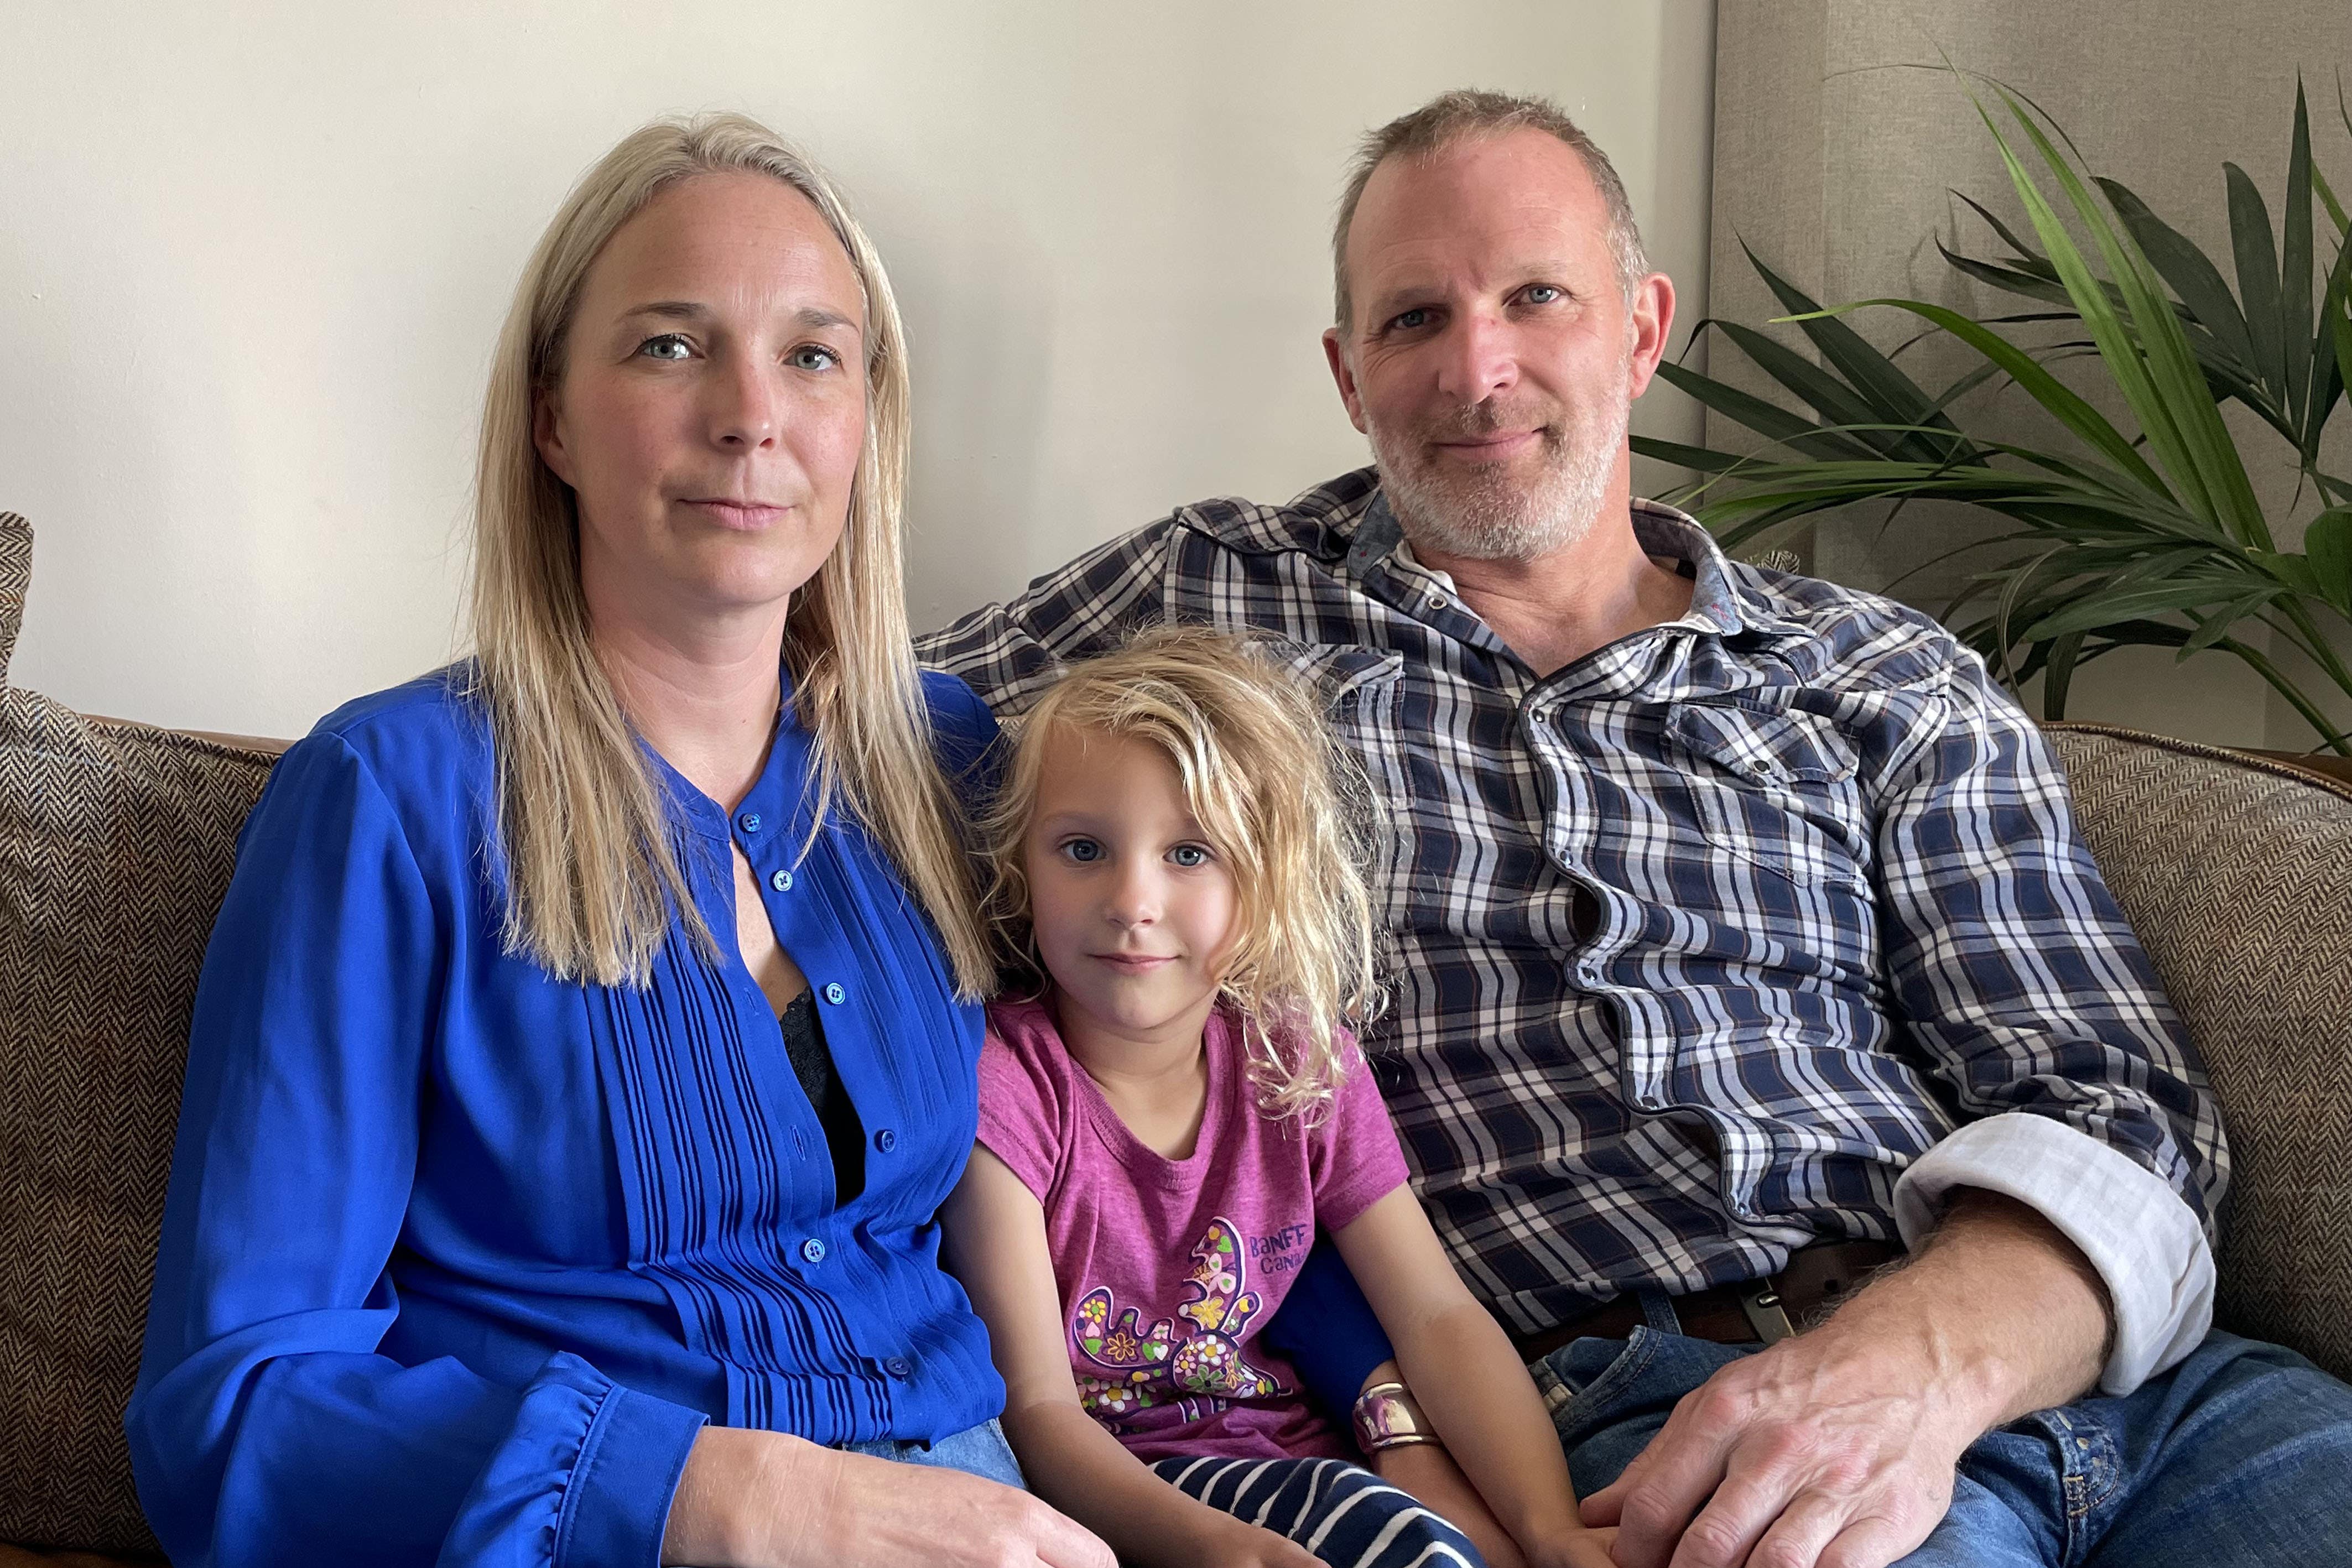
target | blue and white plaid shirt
x=1705, y=941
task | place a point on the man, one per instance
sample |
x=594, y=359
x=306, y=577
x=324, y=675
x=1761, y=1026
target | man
x=1742, y=926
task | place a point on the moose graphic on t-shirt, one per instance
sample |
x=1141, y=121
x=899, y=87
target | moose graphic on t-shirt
x=1148, y=1366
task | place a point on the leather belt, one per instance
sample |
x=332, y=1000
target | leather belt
x=1811, y=1284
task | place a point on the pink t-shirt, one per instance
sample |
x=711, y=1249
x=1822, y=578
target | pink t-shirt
x=1168, y=1267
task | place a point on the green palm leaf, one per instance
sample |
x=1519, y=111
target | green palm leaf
x=2144, y=533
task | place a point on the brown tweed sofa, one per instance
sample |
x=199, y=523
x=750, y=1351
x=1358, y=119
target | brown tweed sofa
x=116, y=840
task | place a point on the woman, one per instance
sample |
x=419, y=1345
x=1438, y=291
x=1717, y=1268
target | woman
x=587, y=1039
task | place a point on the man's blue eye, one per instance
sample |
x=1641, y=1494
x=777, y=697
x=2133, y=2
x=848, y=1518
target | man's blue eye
x=1543, y=293
x=1411, y=319
x=668, y=346
x=1189, y=855
x=1085, y=852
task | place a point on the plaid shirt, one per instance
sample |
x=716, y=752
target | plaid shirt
x=1701, y=941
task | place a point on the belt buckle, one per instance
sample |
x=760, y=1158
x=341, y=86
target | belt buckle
x=1761, y=1302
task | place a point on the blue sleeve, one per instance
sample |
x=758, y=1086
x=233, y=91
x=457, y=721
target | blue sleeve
x=264, y=1427
x=1328, y=1330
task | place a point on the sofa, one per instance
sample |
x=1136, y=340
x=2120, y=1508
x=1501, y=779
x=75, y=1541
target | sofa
x=117, y=839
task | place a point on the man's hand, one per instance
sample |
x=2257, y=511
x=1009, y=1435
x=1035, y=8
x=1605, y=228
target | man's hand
x=1836, y=1450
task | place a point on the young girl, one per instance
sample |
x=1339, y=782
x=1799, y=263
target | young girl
x=1171, y=1113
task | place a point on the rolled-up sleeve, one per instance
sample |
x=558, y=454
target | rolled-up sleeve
x=2018, y=977
x=266, y=1427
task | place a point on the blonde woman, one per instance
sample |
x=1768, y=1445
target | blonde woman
x=588, y=1038
x=1173, y=1109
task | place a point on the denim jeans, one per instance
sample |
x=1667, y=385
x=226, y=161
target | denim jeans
x=981, y=1449
x=2240, y=1455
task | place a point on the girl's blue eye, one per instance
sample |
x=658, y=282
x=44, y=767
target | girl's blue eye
x=1189, y=856
x=1084, y=852
x=668, y=346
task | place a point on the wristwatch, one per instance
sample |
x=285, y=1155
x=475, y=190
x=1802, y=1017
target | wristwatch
x=1387, y=1417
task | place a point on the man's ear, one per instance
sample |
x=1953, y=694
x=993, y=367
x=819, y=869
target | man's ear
x=547, y=434
x=1336, y=357
x=1653, y=319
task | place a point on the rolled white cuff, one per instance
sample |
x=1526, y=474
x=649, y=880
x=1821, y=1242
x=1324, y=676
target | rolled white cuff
x=2140, y=1235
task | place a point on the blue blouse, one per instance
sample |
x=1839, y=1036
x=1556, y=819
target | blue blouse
x=458, y=1258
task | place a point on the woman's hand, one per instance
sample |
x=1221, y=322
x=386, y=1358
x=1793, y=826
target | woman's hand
x=761, y=1500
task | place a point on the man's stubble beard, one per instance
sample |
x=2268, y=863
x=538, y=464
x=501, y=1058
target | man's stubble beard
x=1489, y=515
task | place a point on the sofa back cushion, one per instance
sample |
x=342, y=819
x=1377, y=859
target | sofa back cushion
x=115, y=846
x=2235, y=873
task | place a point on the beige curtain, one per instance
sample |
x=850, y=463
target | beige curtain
x=1833, y=161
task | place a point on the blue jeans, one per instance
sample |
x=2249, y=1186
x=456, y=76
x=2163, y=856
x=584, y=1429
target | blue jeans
x=2240, y=1455
x=981, y=1449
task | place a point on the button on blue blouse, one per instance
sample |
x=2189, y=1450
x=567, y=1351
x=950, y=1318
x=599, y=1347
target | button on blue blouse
x=458, y=1257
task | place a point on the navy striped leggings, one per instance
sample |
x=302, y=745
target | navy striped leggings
x=1343, y=1513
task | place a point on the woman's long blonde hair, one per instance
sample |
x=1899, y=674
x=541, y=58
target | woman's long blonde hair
x=1286, y=810
x=591, y=870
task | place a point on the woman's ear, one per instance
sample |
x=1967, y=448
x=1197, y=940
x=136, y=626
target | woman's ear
x=547, y=433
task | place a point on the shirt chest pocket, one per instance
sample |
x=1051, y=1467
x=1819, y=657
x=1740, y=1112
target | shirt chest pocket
x=1361, y=690
x=1346, y=679
x=1777, y=789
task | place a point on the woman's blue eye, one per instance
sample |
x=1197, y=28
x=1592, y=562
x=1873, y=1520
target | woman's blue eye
x=668, y=346
x=1189, y=856
x=814, y=357
x=1085, y=852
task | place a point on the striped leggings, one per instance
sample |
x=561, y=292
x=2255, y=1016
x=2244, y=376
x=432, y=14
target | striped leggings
x=1341, y=1513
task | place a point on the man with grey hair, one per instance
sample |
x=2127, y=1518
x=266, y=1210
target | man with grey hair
x=1747, y=950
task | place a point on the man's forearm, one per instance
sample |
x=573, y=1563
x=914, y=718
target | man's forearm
x=2011, y=1314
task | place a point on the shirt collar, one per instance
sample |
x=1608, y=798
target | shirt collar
x=1726, y=599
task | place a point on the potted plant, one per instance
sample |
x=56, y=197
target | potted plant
x=2112, y=536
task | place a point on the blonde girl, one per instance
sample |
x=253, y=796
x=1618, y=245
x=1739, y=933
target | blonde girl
x=1173, y=1104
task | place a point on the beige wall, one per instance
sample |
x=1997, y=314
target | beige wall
x=252, y=270
x=1835, y=163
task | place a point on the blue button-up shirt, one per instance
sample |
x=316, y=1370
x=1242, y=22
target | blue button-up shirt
x=457, y=1257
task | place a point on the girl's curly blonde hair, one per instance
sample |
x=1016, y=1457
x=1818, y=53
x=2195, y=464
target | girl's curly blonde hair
x=1286, y=810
